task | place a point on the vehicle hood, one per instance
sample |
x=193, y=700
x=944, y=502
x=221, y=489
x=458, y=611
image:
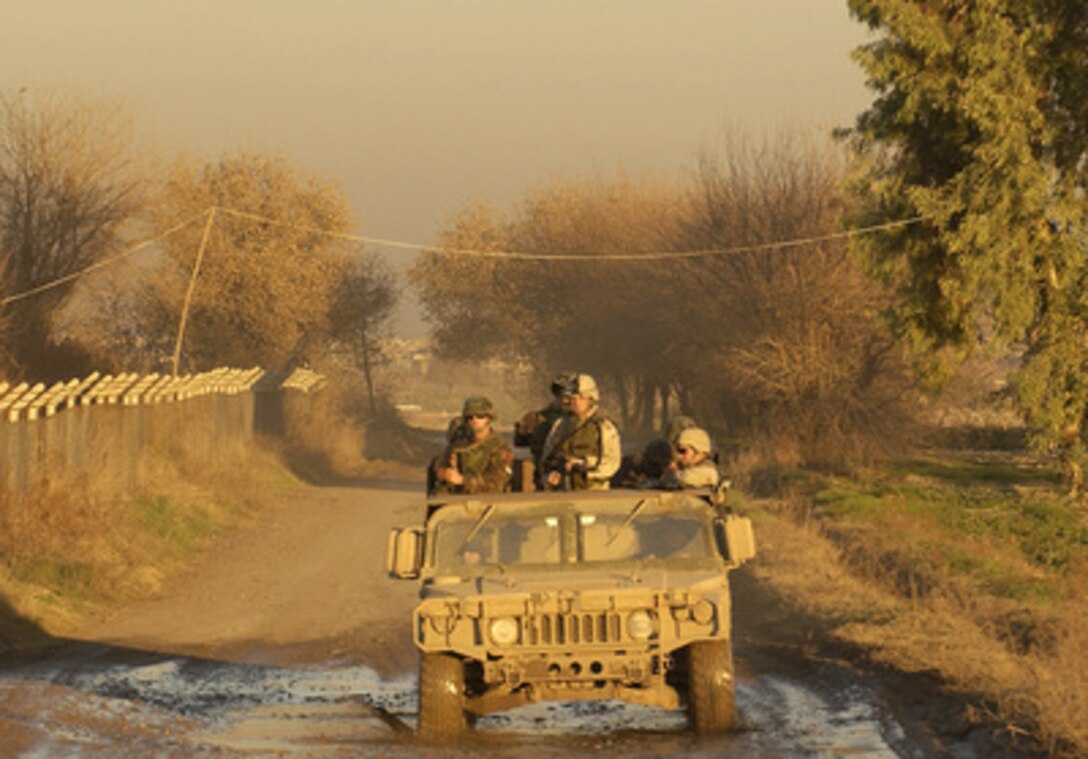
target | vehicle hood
x=513, y=584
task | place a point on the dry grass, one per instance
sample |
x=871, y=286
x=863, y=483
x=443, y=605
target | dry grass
x=64, y=553
x=334, y=435
x=114, y=534
x=887, y=588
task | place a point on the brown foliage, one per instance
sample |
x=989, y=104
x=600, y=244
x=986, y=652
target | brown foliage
x=801, y=358
x=555, y=313
x=264, y=289
x=69, y=184
x=782, y=348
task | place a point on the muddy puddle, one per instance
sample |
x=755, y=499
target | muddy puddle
x=104, y=702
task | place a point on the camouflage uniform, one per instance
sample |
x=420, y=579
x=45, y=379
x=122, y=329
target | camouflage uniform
x=485, y=465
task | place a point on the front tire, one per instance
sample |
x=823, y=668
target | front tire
x=712, y=704
x=441, y=697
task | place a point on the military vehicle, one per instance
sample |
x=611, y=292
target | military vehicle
x=563, y=596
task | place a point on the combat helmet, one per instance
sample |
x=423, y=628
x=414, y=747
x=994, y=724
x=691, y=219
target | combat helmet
x=694, y=438
x=677, y=425
x=585, y=386
x=561, y=382
x=478, y=405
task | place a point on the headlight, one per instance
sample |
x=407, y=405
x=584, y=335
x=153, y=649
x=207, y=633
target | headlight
x=640, y=625
x=504, y=631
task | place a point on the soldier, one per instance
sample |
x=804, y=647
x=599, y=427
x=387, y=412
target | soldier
x=533, y=428
x=477, y=459
x=693, y=466
x=677, y=425
x=582, y=450
x=646, y=468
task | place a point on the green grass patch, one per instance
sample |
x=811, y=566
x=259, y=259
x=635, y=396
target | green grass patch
x=1039, y=523
x=1006, y=527
x=71, y=579
x=967, y=471
x=179, y=527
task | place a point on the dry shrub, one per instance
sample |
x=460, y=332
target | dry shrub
x=1060, y=694
x=1030, y=664
x=318, y=431
x=335, y=433
x=1052, y=694
x=61, y=520
x=792, y=352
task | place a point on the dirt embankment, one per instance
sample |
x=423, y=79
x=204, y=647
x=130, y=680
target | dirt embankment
x=946, y=675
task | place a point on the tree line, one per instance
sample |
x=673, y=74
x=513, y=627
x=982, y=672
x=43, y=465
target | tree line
x=816, y=352
x=782, y=348
x=271, y=290
x=978, y=131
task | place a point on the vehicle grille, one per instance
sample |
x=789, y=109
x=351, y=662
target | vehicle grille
x=562, y=629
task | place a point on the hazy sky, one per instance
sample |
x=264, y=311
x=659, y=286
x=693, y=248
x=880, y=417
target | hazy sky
x=417, y=107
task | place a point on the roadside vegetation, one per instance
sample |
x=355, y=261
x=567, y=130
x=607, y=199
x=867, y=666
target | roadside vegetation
x=66, y=554
x=970, y=566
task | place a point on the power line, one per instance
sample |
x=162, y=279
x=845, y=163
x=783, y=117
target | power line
x=526, y=256
x=101, y=264
x=512, y=255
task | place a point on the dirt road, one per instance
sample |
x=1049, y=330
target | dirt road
x=288, y=639
x=307, y=583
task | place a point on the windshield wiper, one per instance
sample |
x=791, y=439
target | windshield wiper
x=627, y=522
x=477, y=527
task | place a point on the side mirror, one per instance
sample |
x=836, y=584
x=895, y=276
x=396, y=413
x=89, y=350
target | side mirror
x=735, y=536
x=404, y=553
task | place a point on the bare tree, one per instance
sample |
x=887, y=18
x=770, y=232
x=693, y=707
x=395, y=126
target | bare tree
x=799, y=358
x=69, y=183
x=362, y=306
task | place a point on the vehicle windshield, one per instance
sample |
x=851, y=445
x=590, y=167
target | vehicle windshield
x=656, y=528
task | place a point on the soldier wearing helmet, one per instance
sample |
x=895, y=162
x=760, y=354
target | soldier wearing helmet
x=533, y=428
x=647, y=467
x=694, y=465
x=582, y=450
x=477, y=459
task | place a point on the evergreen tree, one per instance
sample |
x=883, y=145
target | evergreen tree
x=979, y=127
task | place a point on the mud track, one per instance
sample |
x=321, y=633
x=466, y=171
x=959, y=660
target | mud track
x=288, y=639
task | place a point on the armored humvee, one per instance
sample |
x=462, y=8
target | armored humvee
x=562, y=596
